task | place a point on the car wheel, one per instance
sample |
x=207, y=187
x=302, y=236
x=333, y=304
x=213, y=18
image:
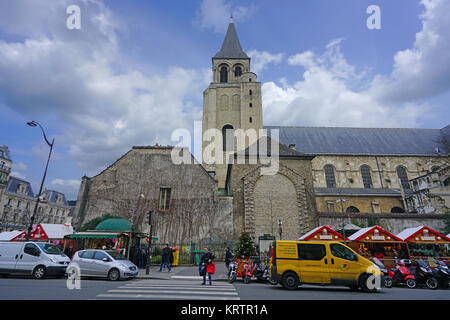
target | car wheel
x=432, y=283
x=388, y=282
x=364, y=283
x=39, y=272
x=114, y=275
x=290, y=281
x=411, y=283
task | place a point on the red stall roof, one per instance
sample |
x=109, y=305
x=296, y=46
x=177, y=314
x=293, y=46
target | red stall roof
x=421, y=234
x=323, y=233
x=375, y=233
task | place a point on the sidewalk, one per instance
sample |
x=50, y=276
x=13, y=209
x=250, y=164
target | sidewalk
x=182, y=273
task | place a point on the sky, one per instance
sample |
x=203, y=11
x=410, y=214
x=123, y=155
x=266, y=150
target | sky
x=136, y=70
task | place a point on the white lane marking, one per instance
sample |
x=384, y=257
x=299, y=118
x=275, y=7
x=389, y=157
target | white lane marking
x=210, y=288
x=175, y=292
x=170, y=297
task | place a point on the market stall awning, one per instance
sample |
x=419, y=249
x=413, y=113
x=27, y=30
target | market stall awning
x=422, y=234
x=323, y=233
x=95, y=235
x=12, y=235
x=374, y=234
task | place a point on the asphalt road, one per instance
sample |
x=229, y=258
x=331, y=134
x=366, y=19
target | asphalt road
x=21, y=288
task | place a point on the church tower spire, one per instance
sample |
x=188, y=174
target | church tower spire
x=231, y=102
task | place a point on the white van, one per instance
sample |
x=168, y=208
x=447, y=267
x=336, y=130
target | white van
x=32, y=258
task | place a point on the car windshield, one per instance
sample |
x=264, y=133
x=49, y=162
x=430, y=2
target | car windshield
x=49, y=248
x=378, y=263
x=442, y=263
x=117, y=256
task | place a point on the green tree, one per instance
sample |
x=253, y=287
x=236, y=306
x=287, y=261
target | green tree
x=90, y=225
x=246, y=246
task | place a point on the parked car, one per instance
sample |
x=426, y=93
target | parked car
x=102, y=263
x=38, y=259
x=293, y=263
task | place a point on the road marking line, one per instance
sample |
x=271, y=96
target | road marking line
x=176, y=292
x=177, y=287
x=170, y=297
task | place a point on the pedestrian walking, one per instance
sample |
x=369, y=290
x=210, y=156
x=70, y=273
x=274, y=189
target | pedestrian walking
x=165, y=258
x=68, y=252
x=207, y=259
x=142, y=256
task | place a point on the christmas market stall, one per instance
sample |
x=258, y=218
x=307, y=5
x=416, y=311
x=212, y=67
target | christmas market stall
x=323, y=233
x=424, y=242
x=376, y=242
x=111, y=234
x=12, y=235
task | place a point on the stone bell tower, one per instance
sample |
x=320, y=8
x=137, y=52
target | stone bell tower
x=231, y=102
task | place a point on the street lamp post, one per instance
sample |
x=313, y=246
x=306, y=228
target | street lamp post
x=147, y=268
x=30, y=227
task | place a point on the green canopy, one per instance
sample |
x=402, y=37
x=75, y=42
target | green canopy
x=115, y=224
x=93, y=236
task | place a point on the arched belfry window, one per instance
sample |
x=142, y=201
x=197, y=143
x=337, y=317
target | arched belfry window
x=366, y=177
x=352, y=209
x=237, y=71
x=403, y=176
x=329, y=176
x=228, y=138
x=223, y=74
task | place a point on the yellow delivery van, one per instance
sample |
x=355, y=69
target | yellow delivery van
x=293, y=263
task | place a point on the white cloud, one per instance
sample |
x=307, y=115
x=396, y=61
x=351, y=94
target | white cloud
x=67, y=186
x=215, y=14
x=18, y=175
x=20, y=166
x=69, y=75
x=261, y=59
x=329, y=93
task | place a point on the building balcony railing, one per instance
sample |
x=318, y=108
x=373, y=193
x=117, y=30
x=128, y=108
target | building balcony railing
x=5, y=169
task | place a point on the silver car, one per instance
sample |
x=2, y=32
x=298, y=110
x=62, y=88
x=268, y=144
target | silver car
x=102, y=263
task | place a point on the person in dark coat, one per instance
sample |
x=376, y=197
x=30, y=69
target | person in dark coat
x=68, y=252
x=165, y=256
x=207, y=259
x=228, y=257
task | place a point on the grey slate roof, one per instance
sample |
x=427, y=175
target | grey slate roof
x=364, y=141
x=357, y=192
x=283, y=150
x=52, y=196
x=13, y=185
x=231, y=47
x=4, y=154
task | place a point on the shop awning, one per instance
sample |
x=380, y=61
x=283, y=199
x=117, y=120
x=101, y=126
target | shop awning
x=46, y=231
x=322, y=233
x=94, y=235
x=374, y=234
x=422, y=234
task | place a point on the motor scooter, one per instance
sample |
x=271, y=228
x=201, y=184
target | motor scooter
x=247, y=271
x=401, y=275
x=442, y=274
x=388, y=281
x=424, y=275
x=262, y=274
x=232, y=271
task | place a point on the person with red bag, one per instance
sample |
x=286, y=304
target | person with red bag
x=207, y=260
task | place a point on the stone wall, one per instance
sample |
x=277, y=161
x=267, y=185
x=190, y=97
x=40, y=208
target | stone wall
x=131, y=187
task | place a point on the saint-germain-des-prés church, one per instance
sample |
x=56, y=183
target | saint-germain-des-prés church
x=294, y=176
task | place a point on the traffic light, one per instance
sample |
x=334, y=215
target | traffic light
x=148, y=239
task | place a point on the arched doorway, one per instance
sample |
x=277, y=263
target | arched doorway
x=275, y=200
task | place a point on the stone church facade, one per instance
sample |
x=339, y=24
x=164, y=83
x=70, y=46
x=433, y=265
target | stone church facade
x=323, y=176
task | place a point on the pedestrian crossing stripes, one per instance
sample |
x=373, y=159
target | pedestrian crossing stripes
x=176, y=289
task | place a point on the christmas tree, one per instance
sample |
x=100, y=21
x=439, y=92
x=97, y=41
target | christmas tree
x=246, y=246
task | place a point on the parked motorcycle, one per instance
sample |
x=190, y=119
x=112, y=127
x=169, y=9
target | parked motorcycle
x=401, y=275
x=247, y=272
x=262, y=274
x=232, y=271
x=388, y=281
x=442, y=274
x=424, y=275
